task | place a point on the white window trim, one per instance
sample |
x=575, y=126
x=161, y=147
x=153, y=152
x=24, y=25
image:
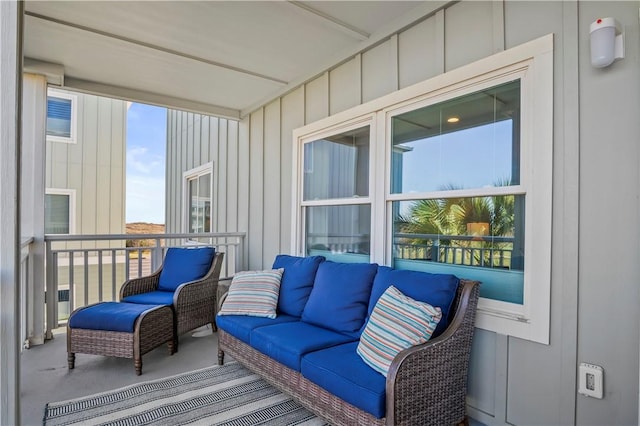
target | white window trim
x=532, y=62
x=72, y=205
x=74, y=116
x=186, y=176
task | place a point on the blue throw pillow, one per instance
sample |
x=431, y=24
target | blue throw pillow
x=438, y=290
x=182, y=265
x=297, y=281
x=340, y=296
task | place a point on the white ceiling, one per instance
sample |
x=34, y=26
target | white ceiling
x=219, y=57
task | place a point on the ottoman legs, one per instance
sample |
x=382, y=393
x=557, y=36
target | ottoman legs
x=71, y=360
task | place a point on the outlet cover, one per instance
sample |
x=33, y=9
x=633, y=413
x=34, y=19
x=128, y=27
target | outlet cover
x=590, y=380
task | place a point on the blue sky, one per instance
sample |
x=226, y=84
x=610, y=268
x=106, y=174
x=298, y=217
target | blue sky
x=146, y=142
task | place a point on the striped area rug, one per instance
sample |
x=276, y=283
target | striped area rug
x=227, y=395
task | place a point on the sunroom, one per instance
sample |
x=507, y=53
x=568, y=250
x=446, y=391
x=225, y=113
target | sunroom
x=473, y=137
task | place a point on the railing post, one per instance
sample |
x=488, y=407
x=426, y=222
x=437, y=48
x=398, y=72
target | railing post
x=156, y=256
x=51, y=291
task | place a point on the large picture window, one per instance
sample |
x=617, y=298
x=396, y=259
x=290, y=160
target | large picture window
x=61, y=116
x=451, y=175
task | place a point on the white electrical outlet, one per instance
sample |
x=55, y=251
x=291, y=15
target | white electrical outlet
x=590, y=380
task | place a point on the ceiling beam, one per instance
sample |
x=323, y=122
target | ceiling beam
x=348, y=29
x=134, y=95
x=155, y=47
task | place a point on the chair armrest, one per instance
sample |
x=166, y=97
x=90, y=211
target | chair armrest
x=140, y=285
x=427, y=384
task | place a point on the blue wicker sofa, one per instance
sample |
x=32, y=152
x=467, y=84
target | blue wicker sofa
x=316, y=342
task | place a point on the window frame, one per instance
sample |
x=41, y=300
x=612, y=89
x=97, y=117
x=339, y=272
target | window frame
x=187, y=176
x=71, y=193
x=532, y=63
x=72, y=139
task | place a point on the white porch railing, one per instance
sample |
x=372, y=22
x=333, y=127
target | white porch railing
x=26, y=290
x=85, y=269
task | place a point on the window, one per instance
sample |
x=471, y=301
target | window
x=61, y=116
x=198, y=193
x=335, y=194
x=59, y=208
x=457, y=178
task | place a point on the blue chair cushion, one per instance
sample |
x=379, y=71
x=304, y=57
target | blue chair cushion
x=182, y=265
x=438, y=290
x=151, y=298
x=109, y=316
x=342, y=372
x=240, y=326
x=297, y=281
x=340, y=296
x=288, y=342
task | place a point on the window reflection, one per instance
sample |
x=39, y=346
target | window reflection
x=338, y=229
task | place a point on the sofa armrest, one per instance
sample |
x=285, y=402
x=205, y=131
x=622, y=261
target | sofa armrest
x=427, y=384
x=140, y=285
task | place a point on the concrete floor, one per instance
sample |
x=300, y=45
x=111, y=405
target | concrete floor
x=46, y=378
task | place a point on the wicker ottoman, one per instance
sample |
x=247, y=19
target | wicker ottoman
x=125, y=330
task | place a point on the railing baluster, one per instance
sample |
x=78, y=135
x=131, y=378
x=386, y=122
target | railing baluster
x=86, y=277
x=139, y=262
x=99, y=275
x=72, y=296
x=127, y=264
x=113, y=274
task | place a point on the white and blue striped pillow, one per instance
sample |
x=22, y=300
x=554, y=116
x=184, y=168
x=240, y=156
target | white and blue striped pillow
x=397, y=322
x=253, y=293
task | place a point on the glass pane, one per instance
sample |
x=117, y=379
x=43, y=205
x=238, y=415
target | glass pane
x=205, y=202
x=56, y=214
x=58, y=117
x=474, y=233
x=193, y=205
x=468, y=142
x=339, y=230
x=337, y=166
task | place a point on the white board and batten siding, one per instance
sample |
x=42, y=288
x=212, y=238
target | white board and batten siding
x=94, y=168
x=596, y=154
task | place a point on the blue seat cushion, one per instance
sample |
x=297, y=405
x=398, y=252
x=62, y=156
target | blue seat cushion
x=297, y=281
x=182, y=265
x=340, y=296
x=240, y=326
x=288, y=342
x=341, y=371
x=151, y=298
x=438, y=290
x=109, y=316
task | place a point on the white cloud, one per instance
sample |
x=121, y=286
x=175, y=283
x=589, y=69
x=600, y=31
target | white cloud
x=139, y=160
x=145, y=199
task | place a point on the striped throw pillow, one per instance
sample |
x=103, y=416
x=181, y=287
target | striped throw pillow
x=253, y=293
x=397, y=322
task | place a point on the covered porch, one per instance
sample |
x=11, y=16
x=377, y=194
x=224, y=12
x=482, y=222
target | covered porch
x=242, y=77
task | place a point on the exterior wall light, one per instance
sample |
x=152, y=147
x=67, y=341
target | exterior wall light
x=607, y=43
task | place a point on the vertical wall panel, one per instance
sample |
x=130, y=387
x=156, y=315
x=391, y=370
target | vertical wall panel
x=292, y=118
x=87, y=196
x=203, y=149
x=220, y=170
x=244, y=193
x=468, y=33
x=481, y=394
x=272, y=183
x=317, y=99
x=380, y=70
x=345, y=90
x=256, y=194
x=418, y=53
x=231, y=201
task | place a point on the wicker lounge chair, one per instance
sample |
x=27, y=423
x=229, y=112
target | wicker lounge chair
x=194, y=303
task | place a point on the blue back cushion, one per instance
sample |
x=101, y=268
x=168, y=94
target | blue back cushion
x=340, y=296
x=435, y=289
x=297, y=281
x=182, y=265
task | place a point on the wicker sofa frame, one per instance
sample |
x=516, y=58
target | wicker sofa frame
x=426, y=384
x=194, y=302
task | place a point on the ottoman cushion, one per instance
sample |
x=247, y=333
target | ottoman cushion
x=109, y=316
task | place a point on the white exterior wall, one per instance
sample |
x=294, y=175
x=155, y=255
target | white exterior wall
x=595, y=271
x=94, y=167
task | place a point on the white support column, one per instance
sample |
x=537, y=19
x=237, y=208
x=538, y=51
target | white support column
x=10, y=86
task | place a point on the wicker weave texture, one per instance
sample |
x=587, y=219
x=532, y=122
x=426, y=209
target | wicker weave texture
x=426, y=384
x=152, y=328
x=194, y=303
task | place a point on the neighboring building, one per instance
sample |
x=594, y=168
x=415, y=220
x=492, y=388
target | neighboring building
x=85, y=165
